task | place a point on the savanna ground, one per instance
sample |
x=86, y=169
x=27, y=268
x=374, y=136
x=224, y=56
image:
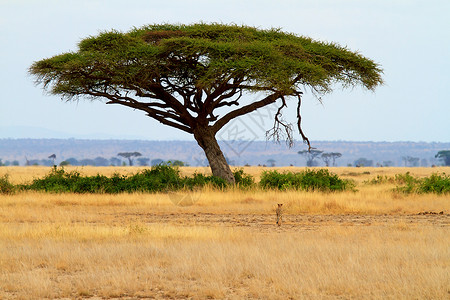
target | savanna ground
x=370, y=244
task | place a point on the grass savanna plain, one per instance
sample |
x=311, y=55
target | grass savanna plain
x=373, y=243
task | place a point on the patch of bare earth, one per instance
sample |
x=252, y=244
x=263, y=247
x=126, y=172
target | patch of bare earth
x=291, y=223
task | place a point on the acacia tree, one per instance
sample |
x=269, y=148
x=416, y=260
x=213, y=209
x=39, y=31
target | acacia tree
x=411, y=161
x=52, y=157
x=334, y=156
x=310, y=156
x=326, y=157
x=193, y=77
x=130, y=156
x=445, y=156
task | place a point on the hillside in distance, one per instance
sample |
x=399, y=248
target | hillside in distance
x=238, y=153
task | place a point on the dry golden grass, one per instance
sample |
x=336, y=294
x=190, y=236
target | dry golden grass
x=365, y=245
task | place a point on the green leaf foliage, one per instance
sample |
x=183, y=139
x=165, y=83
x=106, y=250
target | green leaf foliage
x=436, y=183
x=309, y=180
x=203, y=55
x=160, y=178
x=6, y=187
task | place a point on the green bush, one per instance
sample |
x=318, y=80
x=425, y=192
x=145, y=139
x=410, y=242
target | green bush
x=406, y=178
x=56, y=181
x=160, y=178
x=439, y=184
x=6, y=187
x=308, y=180
x=243, y=180
x=200, y=180
x=436, y=183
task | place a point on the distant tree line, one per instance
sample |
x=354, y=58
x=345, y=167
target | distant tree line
x=98, y=162
x=8, y=163
x=312, y=159
x=327, y=157
x=114, y=161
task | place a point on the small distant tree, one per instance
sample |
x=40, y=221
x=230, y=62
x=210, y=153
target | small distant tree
x=72, y=161
x=326, y=157
x=176, y=163
x=129, y=156
x=334, y=156
x=387, y=163
x=444, y=155
x=101, y=161
x=52, y=157
x=33, y=162
x=310, y=156
x=143, y=161
x=114, y=161
x=87, y=162
x=330, y=157
x=363, y=162
x=411, y=161
x=64, y=163
x=271, y=162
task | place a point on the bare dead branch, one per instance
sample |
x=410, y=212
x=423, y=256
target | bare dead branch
x=245, y=110
x=280, y=127
x=299, y=121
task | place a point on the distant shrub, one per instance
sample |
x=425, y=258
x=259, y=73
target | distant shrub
x=308, y=180
x=439, y=184
x=379, y=180
x=436, y=183
x=406, y=178
x=6, y=187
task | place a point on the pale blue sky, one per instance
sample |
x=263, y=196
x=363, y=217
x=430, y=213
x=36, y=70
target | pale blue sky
x=409, y=38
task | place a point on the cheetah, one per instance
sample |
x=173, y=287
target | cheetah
x=279, y=212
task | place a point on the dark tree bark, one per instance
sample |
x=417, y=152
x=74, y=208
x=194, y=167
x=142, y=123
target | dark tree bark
x=206, y=139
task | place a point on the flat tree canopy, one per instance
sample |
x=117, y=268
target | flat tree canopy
x=182, y=75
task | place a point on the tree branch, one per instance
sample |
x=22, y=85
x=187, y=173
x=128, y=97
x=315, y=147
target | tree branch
x=165, y=121
x=245, y=110
x=276, y=132
x=161, y=116
x=299, y=121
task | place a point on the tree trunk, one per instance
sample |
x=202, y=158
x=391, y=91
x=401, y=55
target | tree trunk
x=206, y=139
